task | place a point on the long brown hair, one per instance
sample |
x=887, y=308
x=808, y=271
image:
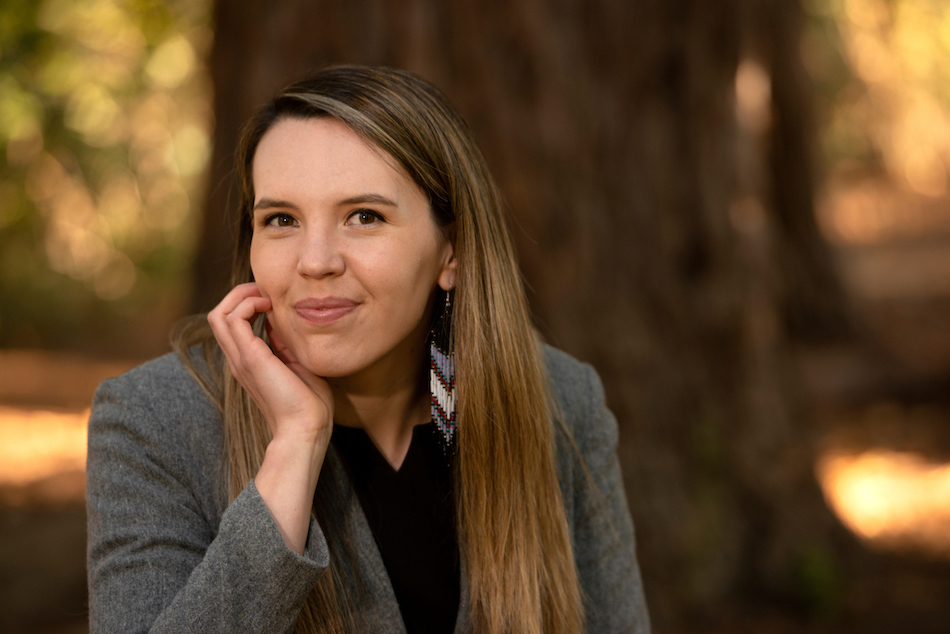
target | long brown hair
x=513, y=534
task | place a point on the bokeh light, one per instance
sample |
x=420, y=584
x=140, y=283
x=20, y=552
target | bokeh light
x=105, y=125
x=886, y=113
x=38, y=444
x=890, y=498
x=882, y=73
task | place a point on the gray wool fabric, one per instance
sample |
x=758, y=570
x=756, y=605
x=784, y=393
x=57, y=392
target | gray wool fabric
x=167, y=553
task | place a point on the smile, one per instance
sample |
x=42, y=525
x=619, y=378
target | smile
x=326, y=310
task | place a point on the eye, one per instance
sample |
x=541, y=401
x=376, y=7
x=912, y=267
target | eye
x=365, y=217
x=280, y=220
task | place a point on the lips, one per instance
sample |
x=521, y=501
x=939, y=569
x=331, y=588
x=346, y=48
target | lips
x=324, y=310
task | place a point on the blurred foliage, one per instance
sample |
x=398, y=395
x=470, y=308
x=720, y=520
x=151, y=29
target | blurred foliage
x=104, y=125
x=817, y=581
x=105, y=122
x=883, y=72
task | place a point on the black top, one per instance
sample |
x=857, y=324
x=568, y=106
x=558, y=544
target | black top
x=412, y=515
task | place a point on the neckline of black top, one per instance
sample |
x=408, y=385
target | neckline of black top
x=411, y=512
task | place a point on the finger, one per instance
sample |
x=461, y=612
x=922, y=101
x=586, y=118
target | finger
x=238, y=293
x=225, y=341
x=229, y=328
x=278, y=345
x=239, y=327
x=314, y=382
x=216, y=318
x=234, y=297
x=248, y=308
x=317, y=385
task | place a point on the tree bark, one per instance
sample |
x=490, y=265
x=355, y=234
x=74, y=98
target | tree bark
x=813, y=302
x=611, y=128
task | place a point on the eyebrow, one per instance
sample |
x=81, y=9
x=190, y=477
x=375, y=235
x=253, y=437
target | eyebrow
x=368, y=198
x=269, y=203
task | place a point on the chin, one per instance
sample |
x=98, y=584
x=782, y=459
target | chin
x=328, y=365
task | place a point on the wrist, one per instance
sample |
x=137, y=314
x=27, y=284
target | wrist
x=298, y=448
x=289, y=472
x=290, y=437
x=287, y=481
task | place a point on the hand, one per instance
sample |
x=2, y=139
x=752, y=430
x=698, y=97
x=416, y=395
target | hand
x=296, y=403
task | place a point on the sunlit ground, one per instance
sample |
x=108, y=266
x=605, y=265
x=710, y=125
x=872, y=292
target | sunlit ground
x=890, y=498
x=36, y=444
x=42, y=456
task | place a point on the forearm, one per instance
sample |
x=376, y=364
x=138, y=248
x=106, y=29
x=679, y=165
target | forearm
x=161, y=557
x=286, y=482
x=246, y=580
x=297, y=405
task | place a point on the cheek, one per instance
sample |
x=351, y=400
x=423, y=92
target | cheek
x=409, y=271
x=254, y=258
x=268, y=269
x=416, y=287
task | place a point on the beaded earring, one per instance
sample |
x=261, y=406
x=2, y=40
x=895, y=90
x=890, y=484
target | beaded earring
x=442, y=374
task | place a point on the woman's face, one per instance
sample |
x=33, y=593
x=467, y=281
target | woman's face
x=345, y=246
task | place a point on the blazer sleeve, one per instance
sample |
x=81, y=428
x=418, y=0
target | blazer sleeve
x=161, y=555
x=602, y=528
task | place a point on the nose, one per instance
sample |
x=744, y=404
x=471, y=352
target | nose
x=320, y=254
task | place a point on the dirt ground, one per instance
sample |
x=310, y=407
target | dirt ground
x=42, y=568
x=43, y=521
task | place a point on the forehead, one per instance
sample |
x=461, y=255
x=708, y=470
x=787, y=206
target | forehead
x=325, y=153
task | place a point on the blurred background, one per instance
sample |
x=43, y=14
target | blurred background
x=737, y=211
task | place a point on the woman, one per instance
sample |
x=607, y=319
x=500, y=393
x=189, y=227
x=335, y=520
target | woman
x=370, y=437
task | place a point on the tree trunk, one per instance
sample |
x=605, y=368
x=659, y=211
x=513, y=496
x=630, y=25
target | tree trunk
x=611, y=128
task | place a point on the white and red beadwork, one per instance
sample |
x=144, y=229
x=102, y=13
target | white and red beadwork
x=442, y=391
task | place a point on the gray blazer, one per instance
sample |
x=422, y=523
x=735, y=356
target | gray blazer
x=167, y=553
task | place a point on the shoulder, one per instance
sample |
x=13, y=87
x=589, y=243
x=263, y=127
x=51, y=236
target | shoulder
x=579, y=395
x=570, y=378
x=160, y=385
x=161, y=392
x=156, y=415
x=165, y=378
x=595, y=504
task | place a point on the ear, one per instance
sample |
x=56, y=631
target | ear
x=449, y=272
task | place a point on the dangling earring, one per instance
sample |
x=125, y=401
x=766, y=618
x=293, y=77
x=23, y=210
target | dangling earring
x=442, y=374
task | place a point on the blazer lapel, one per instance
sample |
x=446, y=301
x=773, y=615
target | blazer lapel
x=461, y=620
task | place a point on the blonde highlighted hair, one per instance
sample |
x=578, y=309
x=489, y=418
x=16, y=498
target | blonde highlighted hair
x=513, y=533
